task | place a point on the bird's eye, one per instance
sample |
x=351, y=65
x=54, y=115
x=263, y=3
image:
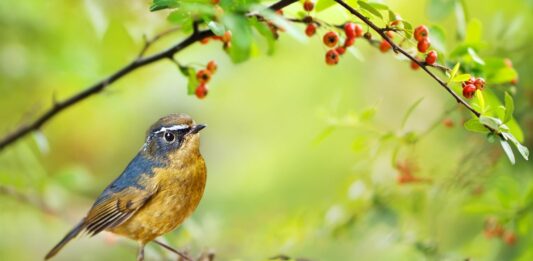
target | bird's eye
x=169, y=137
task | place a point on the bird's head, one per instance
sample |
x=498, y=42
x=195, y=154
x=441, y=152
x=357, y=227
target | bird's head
x=172, y=134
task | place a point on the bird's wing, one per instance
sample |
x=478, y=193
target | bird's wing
x=122, y=198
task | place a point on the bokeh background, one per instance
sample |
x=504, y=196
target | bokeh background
x=298, y=153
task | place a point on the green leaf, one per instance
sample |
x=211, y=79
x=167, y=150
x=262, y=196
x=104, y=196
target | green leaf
x=379, y=6
x=461, y=77
x=281, y=22
x=408, y=29
x=180, y=17
x=509, y=108
x=454, y=71
x=410, y=111
x=473, y=31
x=508, y=151
x=492, y=122
x=460, y=18
x=241, y=37
x=438, y=38
x=163, y=4
x=475, y=56
x=480, y=101
x=370, y=9
x=322, y=5
x=474, y=125
x=216, y=28
x=193, y=82
x=503, y=75
x=265, y=31
x=524, y=151
x=440, y=9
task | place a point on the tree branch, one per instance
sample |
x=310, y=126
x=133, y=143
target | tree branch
x=139, y=62
x=422, y=65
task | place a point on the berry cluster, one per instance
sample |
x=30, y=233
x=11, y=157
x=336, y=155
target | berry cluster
x=421, y=35
x=203, y=76
x=331, y=38
x=493, y=229
x=471, y=86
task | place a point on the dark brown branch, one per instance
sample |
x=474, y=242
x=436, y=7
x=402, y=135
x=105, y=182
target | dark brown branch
x=139, y=62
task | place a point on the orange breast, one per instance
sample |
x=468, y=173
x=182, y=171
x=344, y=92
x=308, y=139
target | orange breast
x=180, y=188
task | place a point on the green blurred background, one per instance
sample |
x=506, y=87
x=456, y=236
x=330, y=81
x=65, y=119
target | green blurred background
x=296, y=155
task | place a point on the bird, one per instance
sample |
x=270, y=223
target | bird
x=156, y=192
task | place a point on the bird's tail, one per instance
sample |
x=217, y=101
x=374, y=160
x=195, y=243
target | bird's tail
x=72, y=234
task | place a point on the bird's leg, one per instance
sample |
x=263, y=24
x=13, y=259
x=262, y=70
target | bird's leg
x=169, y=248
x=140, y=254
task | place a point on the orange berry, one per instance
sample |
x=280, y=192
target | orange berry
x=509, y=238
x=423, y=45
x=414, y=65
x=448, y=123
x=431, y=58
x=421, y=32
x=203, y=76
x=330, y=39
x=349, y=42
x=384, y=46
x=479, y=83
x=310, y=30
x=201, y=91
x=309, y=5
x=204, y=40
x=390, y=34
x=469, y=90
x=332, y=57
x=358, y=30
x=212, y=66
x=226, y=37
x=349, y=30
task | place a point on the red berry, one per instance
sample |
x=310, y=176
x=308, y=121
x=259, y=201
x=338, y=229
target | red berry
x=309, y=5
x=384, y=46
x=479, y=83
x=203, y=76
x=509, y=238
x=421, y=32
x=201, y=91
x=349, y=42
x=431, y=58
x=340, y=50
x=469, y=90
x=349, y=30
x=414, y=65
x=448, y=123
x=423, y=45
x=212, y=66
x=358, y=30
x=279, y=12
x=310, y=30
x=330, y=39
x=332, y=57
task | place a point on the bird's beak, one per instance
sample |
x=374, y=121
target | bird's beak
x=197, y=128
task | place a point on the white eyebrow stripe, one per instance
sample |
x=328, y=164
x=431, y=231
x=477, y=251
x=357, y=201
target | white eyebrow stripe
x=172, y=128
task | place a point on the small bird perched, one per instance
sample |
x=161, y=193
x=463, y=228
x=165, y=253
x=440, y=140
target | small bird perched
x=159, y=188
